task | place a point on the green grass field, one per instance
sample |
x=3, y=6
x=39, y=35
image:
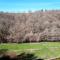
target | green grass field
x=44, y=50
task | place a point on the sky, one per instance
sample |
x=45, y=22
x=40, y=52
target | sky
x=28, y=5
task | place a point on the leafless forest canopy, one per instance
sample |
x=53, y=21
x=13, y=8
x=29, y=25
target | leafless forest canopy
x=35, y=26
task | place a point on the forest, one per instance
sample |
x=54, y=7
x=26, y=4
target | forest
x=38, y=26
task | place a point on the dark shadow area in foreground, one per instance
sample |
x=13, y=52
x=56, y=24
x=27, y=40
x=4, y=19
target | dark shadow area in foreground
x=22, y=56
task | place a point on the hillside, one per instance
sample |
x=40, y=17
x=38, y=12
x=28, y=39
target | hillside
x=30, y=27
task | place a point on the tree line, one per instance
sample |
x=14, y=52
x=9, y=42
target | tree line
x=35, y=26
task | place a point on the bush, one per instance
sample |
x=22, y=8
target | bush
x=22, y=56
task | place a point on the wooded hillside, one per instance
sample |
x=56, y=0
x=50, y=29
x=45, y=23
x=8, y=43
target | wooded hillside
x=30, y=27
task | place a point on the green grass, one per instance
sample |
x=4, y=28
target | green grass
x=44, y=50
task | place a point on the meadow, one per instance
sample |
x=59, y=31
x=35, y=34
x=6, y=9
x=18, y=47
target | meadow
x=45, y=50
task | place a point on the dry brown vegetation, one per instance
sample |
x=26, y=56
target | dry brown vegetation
x=30, y=27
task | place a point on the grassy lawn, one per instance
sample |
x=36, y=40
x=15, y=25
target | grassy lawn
x=44, y=50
